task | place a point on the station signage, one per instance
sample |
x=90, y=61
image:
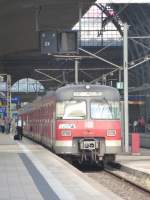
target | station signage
x=119, y=85
x=87, y=94
x=15, y=100
x=52, y=42
x=2, y=109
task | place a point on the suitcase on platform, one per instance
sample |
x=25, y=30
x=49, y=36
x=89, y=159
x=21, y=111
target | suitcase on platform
x=16, y=137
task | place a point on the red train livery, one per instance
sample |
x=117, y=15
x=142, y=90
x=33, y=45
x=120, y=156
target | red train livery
x=81, y=122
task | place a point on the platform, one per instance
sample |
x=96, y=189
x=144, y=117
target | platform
x=139, y=162
x=29, y=171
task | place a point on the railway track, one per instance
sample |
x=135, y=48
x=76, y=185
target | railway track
x=131, y=177
x=128, y=184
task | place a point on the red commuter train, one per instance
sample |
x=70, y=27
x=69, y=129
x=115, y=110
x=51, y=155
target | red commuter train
x=81, y=122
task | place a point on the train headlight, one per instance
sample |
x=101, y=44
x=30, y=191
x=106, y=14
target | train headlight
x=87, y=87
x=111, y=132
x=66, y=133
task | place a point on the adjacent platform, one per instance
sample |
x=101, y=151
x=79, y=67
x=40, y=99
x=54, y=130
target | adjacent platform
x=29, y=171
x=139, y=162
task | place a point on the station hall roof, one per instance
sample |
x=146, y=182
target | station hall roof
x=19, y=39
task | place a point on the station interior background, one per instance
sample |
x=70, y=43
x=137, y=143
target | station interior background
x=101, y=32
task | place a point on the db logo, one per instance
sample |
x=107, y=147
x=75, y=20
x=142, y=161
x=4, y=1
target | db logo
x=89, y=124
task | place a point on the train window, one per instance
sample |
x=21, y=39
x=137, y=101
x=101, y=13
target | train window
x=105, y=110
x=71, y=110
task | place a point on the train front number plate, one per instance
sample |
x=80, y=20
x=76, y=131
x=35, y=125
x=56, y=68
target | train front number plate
x=89, y=144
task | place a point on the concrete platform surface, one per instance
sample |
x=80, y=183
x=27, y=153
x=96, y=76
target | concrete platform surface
x=139, y=162
x=28, y=171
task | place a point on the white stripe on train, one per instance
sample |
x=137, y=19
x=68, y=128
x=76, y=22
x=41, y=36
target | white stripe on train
x=61, y=143
x=113, y=143
x=68, y=143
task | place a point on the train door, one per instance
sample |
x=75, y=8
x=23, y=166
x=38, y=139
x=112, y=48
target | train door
x=27, y=125
x=48, y=126
x=52, y=137
x=42, y=125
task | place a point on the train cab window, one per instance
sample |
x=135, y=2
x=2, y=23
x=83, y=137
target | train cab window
x=105, y=110
x=71, y=110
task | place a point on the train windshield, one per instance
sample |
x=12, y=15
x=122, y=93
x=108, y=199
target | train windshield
x=71, y=110
x=105, y=109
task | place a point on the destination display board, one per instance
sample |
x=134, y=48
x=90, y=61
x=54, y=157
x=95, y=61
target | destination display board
x=123, y=1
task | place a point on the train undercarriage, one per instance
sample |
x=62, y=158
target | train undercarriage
x=91, y=151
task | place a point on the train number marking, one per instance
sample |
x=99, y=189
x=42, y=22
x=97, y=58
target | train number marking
x=67, y=126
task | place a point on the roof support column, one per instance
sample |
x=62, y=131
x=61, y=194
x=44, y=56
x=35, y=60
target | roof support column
x=76, y=70
x=125, y=66
x=80, y=24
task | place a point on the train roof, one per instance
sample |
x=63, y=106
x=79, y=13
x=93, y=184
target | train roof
x=87, y=86
x=71, y=91
x=85, y=90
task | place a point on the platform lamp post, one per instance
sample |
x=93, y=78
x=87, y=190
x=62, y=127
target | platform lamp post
x=8, y=96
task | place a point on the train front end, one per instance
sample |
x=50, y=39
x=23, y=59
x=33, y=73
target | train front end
x=88, y=123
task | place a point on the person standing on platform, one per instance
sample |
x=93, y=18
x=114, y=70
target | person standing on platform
x=141, y=123
x=19, y=128
x=2, y=125
x=6, y=123
x=13, y=126
x=135, y=126
x=9, y=124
